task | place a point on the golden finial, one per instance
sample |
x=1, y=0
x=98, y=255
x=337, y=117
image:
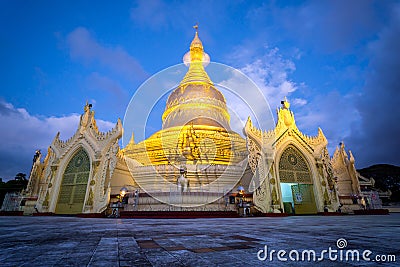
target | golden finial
x=285, y=103
x=196, y=40
x=196, y=59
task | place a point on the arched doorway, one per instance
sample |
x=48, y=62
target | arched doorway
x=296, y=182
x=74, y=183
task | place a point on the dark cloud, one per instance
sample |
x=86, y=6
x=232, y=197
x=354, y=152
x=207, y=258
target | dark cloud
x=363, y=114
x=116, y=95
x=378, y=139
x=6, y=109
x=97, y=81
x=22, y=133
x=151, y=13
x=13, y=163
x=159, y=15
x=333, y=112
x=329, y=26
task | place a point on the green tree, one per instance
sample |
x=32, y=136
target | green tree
x=20, y=177
x=17, y=185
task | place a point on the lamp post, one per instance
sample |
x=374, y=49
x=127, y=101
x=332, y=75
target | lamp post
x=240, y=194
x=119, y=203
x=122, y=192
x=240, y=190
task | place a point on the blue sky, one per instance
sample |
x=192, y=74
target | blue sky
x=338, y=63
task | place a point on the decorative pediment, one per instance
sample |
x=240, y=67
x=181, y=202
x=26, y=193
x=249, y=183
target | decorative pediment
x=88, y=133
x=285, y=128
x=100, y=148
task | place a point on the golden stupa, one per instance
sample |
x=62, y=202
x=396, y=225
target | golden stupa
x=195, y=136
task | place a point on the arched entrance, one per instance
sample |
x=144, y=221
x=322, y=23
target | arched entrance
x=74, y=183
x=296, y=182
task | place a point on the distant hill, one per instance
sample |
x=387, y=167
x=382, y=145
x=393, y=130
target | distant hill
x=386, y=177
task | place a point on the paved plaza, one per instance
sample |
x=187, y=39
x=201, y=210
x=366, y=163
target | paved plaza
x=71, y=241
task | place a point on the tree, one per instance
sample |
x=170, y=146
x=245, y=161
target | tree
x=17, y=185
x=20, y=177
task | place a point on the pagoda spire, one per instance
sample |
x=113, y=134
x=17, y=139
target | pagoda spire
x=196, y=100
x=196, y=59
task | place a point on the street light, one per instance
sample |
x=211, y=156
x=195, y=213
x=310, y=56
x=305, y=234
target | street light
x=240, y=190
x=122, y=192
x=242, y=205
x=118, y=204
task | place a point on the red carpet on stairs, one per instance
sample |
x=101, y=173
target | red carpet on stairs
x=178, y=214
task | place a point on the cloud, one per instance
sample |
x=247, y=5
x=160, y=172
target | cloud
x=162, y=15
x=330, y=25
x=299, y=102
x=268, y=69
x=96, y=81
x=357, y=94
x=330, y=109
x=261, y=81
x=151, y=13
x=333, y=112
x=82, y=46
x=244, y=99
x=22, y=133
x=377, y=140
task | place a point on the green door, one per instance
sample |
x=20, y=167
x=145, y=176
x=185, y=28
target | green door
x=303, y=197
x=294, y=171
x=74, y=183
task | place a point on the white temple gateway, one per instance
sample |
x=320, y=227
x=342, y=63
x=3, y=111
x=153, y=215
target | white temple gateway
x=194, y=163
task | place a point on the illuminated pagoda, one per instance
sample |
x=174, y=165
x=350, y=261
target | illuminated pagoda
x=195, y=140
x=196, y=162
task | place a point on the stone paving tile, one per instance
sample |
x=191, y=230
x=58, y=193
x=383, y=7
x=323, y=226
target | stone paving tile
x=222, y=248
x=134, y=263
x=201, y=250
x=245, y=238
x=221, y=258
x=239, y=246
x=188, y=258
x=103, y=263
x=162, y=258
x=69, y=241
x=175, y=248
x=148, y=244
